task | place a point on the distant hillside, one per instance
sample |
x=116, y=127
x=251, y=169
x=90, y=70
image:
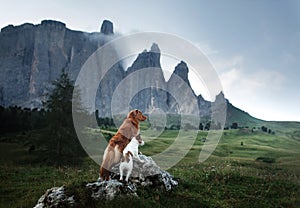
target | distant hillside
x=244, y=119
x=241, y=117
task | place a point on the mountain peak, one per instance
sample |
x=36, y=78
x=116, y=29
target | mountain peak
x=182, y=71
x=53, y=23
x=107, y=27
x=200, y=97
x=220, y=95
x=155, y=48
x=146, y=59
x=220, y=98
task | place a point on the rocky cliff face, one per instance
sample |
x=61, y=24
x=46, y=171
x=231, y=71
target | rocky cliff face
x=32, y=56
x=107, y=88
x=181, y=88
x=149, y=97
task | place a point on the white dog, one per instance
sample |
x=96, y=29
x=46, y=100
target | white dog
x=130, y=151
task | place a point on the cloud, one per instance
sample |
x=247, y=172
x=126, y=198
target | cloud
x=225, y=64
x=238, y=80
x=206, y=48
x=247, y=83
x=253, y=90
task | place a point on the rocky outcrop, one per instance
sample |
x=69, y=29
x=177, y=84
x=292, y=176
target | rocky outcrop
x=143, y=174
x=148, y=173
x=107, y=27
x=55, y=197
x=111, y=189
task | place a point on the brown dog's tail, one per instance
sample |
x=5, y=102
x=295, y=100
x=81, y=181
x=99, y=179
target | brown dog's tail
x=107, y=163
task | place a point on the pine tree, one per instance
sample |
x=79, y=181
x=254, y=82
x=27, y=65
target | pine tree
x=63, y=143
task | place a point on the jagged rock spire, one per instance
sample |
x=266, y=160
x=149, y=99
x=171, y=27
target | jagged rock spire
x=220, y=97
x=182, y=71
x=155, y=48
x=107, y=27
x=147, y=59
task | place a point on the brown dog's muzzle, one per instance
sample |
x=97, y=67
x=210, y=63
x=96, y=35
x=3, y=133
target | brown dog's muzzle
x=143, y=118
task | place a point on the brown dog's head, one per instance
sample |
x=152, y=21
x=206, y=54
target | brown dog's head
x=137, y=114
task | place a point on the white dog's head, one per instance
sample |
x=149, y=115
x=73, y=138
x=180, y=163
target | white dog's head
x=139, y=140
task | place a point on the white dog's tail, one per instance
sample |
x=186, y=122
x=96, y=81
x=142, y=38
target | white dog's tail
x=127, y=157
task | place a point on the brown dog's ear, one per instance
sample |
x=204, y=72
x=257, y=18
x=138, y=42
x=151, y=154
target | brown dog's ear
x=129, y=115
x=132, y=114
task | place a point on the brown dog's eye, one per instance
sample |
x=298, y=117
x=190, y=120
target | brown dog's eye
x=136, y=112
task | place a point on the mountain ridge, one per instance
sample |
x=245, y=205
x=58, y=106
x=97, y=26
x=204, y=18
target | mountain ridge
x=32, y=56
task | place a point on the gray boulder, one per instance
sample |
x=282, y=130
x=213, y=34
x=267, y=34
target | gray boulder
x=148, y=173
x=110, y=189
x=143, y=174
x=55, y=197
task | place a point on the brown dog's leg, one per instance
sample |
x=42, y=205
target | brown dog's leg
x=104, y=174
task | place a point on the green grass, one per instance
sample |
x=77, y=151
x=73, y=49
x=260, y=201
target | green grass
x=22, y=186
x=235, y=175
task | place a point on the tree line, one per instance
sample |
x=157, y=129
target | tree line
x=58, y=140
x=15, y=119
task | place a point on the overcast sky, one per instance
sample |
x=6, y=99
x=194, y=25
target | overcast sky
x=253, y=45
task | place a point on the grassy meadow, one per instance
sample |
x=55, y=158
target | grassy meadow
x=247, y=169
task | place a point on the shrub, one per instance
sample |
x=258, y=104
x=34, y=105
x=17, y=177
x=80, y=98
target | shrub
x=266, y=159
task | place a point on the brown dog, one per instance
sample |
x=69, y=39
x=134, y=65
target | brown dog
x=113, y=152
